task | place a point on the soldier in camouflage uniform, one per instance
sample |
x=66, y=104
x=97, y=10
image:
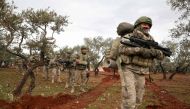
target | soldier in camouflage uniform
x=82, y=68
x=54, y=69
x=20, y=65
x=134, y=62
x=46, y=67
x=69, y=65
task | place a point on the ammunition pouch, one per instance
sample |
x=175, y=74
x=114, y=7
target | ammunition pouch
x=137, y=60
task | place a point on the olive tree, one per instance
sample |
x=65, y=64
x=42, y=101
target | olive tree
x=31, y=30
x=181, y=33
x=97, y=47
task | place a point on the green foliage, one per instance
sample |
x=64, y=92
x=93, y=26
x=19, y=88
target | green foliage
x=182, y=28
x=181, y=32
x=29, y=29
x=42, y=18
x=97, y=47
x=180, y=5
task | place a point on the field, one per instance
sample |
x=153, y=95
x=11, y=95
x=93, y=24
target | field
x=104, y=92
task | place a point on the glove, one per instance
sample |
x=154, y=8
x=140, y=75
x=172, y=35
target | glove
x=145, y=52
x=158, y=54
x=151, y=53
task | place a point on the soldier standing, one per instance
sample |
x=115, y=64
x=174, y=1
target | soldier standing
x=54, y=67
x=82, y=66
x=134, y=62
x=20, y=65
x=46, y=67
x=69, y=66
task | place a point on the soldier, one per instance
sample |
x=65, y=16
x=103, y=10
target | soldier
x=134, y=62
x=69, y=65
x=82, y=66
x=54, y=67
x=107, y=63
x=45, y=67
x=20, y=65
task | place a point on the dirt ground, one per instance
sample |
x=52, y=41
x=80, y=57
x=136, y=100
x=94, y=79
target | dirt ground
x=82, y=101
x=167, y=101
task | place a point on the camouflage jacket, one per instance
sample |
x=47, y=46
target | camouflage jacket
x=82, y=61
x=69, y=61
x=126, y=55
x=129, y=54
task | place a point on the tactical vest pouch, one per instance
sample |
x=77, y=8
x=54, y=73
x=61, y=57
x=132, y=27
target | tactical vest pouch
x=136, y=60
x=126, y=59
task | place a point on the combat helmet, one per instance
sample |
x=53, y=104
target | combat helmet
x=143, y=19
x=124, y=28
x=69, y=51
x=84, y=47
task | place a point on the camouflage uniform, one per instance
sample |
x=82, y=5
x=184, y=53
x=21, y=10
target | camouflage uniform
x=82, y=68
x=54, y=69
x=20, y=65
x=70, y=70
x=133, y=64
x=45, y=68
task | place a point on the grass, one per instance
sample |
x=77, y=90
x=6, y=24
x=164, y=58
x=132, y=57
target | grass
x=149, y=99
x=9, y=78
x=178, y=87
x=110, y=99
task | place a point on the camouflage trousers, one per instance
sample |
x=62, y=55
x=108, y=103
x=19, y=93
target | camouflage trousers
x=70, y=78
x=81, y=78
x=46, y=72
x=133, y=87
x=56, y=73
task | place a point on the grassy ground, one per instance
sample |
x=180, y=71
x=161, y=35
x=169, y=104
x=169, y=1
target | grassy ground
x=110, y=99
x=9, y=78
x=179, y=86
x=8, y=81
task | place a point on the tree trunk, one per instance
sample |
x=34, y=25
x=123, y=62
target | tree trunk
x=29, y=72
x=164, y=75
x=96, y=70
x=150, y=78
x=173, y=74
x=46, y=72
x=163, y=71
x=184, y=70
x=32, y=82
x=114, y=71
x=17, y=91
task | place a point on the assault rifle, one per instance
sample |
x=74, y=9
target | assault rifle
x=138, y=42
x=66, y=63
